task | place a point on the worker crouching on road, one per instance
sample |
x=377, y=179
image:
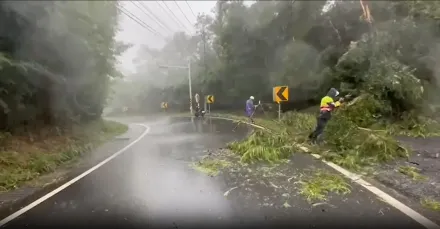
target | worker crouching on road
x=328, y=104
x=250, y=108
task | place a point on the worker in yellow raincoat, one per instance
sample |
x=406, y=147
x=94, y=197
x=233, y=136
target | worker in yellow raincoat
x=328, y=104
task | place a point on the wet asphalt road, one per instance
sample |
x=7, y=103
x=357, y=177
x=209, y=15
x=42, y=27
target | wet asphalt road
x=152, y=185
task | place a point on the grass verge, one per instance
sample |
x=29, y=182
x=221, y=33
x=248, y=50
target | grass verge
x=23, y=159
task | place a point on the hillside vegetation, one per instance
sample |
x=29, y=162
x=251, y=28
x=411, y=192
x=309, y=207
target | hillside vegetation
x=56, y=61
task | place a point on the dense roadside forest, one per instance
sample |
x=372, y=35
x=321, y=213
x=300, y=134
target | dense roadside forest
x=57, y=59
x=385, y=50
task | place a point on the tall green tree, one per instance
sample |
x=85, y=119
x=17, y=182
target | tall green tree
x=56, y=61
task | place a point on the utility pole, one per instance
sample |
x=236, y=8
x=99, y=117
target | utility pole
x=190, y=88
x=204, y=47
x=189, y=80
x=204, y=60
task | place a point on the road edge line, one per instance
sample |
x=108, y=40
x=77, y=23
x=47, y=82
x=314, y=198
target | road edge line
x=427, y=223
x=72, y=181
x=383, y=195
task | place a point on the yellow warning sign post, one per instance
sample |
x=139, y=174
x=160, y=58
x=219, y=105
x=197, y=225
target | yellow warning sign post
x=280, y=94
x=164, y=106
x=209, y=101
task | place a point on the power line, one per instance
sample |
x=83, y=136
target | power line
x=183, y=13
x=178, y=21
x=191, y=9
x=139, y=21
x=132, y=2
x=157, y=18
x=164, y=10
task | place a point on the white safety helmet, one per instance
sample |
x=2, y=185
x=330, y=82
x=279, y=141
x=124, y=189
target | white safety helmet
x=252, y=97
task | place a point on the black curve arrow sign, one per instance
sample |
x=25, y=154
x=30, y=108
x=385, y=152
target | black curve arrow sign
x=280, y=94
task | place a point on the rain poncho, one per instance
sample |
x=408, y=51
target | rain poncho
x=249, y=107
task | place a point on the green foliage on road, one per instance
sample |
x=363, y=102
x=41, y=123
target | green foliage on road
x=322, y=183
x=346, y=143
x=264, y=146
x=352, y=145
x=22, y=160
x=412, y=172
x=430, y=203
x=278, y=142
x=211, y=167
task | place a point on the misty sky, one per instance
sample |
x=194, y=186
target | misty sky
x=132, y=32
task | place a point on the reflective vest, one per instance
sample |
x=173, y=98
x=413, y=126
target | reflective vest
x=325, y=101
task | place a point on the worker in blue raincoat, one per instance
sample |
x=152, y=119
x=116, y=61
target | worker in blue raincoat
x=250, y=108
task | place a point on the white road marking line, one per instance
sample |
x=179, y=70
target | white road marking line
x=67, y=184
x=387, y=198
x=376, y=191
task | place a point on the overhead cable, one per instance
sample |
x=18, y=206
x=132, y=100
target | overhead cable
x=140, y=22
x=191, y=9
x=183, y=13
x=174, y=15
x=158, y=18
x=149, y=16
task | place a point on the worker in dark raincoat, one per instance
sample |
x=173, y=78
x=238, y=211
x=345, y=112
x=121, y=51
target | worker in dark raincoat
x=250, y=108
x=328, y=104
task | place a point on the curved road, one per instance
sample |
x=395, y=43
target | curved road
x=151, y=185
